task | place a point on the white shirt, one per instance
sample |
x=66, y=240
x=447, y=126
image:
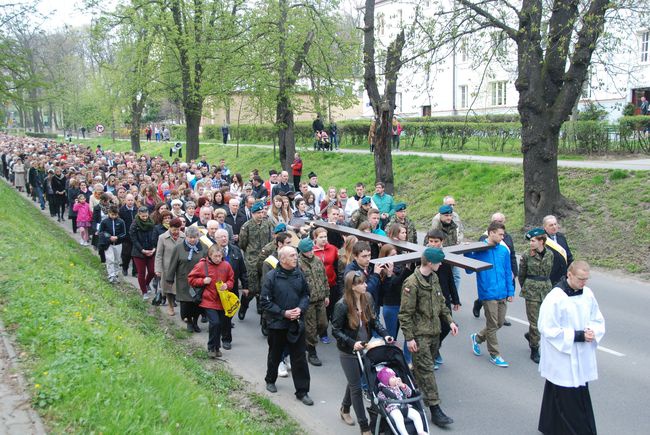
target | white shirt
x=563, y=361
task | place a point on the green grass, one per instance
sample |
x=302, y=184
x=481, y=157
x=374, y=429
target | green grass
x=610, y=229
x=97, y=360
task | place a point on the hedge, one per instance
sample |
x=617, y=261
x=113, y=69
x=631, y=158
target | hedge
x=42, y=135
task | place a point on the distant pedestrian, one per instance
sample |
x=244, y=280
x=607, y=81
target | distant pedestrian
x=396, y=132
x=225, y=132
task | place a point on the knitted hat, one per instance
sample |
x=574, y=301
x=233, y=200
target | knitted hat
x=385, y=374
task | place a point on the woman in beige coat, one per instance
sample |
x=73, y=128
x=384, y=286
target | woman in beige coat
x=166, y=243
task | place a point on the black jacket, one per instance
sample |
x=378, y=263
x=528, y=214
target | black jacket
x=236, y=260
x=345, y=336
x=142, y=240
x=236, y=221
x=284, y=290
x=109, y=227
x=560, y=266
x=447, y=284
x=393, y=286
x=128, y=216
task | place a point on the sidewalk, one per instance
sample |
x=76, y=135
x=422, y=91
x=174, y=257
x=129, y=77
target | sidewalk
x=630, y=164
x=16, y=413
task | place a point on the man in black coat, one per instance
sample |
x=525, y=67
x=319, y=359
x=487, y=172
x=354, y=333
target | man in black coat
x=285, y=299
x=510, y=244
x=235, y=217
x=127, y=213
x=556, y=241
x=234, y=256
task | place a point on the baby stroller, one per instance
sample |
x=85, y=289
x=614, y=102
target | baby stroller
x=373, y=361
x=322, y=141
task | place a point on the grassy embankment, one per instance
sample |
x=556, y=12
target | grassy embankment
x=611, y=227
x=98, y=361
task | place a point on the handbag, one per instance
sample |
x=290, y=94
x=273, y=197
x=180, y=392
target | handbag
x=229, y=300
x=196, y=293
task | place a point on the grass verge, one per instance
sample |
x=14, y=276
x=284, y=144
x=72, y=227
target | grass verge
x=97, y=360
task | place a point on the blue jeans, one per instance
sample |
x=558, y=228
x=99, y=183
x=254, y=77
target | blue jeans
x=39, y=194
x=390, y=313
x=456, y=272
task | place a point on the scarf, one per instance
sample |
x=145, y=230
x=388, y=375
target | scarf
x=144, y=225
x=191, y=249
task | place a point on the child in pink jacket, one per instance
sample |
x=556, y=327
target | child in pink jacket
x=84, y=217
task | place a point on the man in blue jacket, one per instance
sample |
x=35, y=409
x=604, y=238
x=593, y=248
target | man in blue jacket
x=494, y=289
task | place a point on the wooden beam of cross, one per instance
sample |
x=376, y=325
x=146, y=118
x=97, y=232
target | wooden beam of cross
x=453, y=254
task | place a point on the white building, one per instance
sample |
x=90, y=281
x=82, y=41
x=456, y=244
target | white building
x=477, y=75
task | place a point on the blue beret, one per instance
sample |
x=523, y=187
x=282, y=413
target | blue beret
x=306, y=245
x=365, y=200
x=445, y=209
x=534, y=233
x=279, y=228
x=257, y=206
x=400, y=206
x=434, y=255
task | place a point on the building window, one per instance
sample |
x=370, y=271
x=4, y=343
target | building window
x=426, y=110
x=498, y=93
x=499, y=43
x=462, y=93
x=398, y=102
x=463, y=49
x=586, y=87
x=645, y=46
x=381, y=24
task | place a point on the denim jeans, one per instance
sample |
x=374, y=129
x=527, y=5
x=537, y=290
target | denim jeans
x=391, y=323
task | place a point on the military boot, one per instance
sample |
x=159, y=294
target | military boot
x=534, y=354
x=438, y=417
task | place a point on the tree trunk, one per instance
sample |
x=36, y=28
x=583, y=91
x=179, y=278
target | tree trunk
x=137, y=106
x=383, y=155
x=542, y=195
x=192, y=124
x=286, y=137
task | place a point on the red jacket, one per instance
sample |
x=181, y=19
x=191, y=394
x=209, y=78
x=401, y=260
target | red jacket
x=329, y=255
x=296, y=167
x=218, y=272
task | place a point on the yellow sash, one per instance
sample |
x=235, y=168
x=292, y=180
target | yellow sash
x=556, y=247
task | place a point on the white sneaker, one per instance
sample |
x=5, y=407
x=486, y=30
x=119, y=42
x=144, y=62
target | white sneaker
x=82, y=243
x=146, y=296
x=282, y=370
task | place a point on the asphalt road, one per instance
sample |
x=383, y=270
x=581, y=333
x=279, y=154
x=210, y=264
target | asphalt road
x=481, y=397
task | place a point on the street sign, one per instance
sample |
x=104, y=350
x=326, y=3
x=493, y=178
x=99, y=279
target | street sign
x=99, y=128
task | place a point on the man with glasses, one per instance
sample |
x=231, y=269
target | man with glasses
x=571, y=326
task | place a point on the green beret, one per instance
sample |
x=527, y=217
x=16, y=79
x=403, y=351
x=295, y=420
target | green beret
x=534, y=233
x=306, y=245
x=280, y=228
x=445, y=209
x=257, y=206
x=400, y=206
x=434, y=255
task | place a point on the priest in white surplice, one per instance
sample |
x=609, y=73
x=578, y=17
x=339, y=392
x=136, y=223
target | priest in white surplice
x=571, y=326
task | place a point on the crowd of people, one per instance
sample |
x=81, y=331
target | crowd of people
x=191, y=230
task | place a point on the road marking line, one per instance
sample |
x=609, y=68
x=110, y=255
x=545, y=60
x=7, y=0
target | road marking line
x=602, y=348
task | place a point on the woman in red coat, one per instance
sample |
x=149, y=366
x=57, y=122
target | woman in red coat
x=218, y=270
x=296, y=171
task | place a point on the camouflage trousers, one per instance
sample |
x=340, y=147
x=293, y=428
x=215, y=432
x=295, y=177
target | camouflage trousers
x=532, y=312
x=254, y=285
x=423, y=368
x=315, y=322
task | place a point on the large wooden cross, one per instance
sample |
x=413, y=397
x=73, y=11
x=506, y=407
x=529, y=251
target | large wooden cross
x=453, y=254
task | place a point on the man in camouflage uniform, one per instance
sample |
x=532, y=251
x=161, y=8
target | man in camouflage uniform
x=447, y=225
x=535, y=269
x=316, y=317
x=400, y=218
x=254, y=234
x=361, y=214
x=421, y=311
